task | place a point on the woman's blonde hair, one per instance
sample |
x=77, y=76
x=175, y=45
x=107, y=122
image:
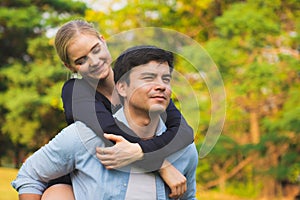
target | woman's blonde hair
x=68, y=32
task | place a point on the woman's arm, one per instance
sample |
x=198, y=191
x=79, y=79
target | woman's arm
x=178, y=132
x=80, y=104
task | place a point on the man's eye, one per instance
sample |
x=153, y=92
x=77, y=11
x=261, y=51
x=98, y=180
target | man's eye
x=148, y=78
x=167, y=80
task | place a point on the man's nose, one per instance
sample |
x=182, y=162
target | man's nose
x=160, y=85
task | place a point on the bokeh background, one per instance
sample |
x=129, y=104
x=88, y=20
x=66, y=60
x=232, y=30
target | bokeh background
x=255, y=45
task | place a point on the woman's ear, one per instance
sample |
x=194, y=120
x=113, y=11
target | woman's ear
x=102, y=38
x=70, y=68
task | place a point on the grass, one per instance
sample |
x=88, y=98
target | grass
x=7, y=175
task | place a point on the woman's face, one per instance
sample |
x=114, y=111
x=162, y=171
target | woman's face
x=90, y=57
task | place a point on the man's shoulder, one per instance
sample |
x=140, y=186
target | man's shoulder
x=188, y=153
x=192, y=154
x=68, y=133
x=77, y=135
x=64, y=142
x=192, y=148
x=88, y=137
x=189, y=150
x=73, y=132
x=82, y=129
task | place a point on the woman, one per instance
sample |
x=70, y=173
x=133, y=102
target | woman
x=83, y=50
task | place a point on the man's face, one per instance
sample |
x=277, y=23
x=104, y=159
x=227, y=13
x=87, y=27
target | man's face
x=149, y=89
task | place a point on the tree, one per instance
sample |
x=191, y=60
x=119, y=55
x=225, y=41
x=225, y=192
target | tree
x=248, y=41
x=250, y=53
x=254, y=43
x=31, y=74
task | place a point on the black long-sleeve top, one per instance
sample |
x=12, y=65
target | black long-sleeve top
x=83, y=103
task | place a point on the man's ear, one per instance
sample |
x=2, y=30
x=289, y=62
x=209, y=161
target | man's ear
x=70, y=67
x=121, y=88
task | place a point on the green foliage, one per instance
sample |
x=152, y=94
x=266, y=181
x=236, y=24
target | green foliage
x=31, y=75
x=293, y=173
x=259, y=78
x=290, y=116
x=30, y=90
x=254, y=44
x=18, y=17
x=193, y=19
x=16, y=31
x=249, y=29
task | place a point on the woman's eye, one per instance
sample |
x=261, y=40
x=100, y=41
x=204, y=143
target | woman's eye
x=81, y=61
x=96, y=50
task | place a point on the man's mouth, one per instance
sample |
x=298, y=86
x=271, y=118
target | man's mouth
x=162, y=97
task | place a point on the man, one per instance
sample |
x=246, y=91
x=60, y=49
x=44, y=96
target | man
x=142, y=76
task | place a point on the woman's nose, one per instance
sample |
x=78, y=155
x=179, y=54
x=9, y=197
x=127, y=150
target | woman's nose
x=93, y=60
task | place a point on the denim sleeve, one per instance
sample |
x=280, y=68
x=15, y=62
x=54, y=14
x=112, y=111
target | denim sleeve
x=53, y=160
x=190, y=172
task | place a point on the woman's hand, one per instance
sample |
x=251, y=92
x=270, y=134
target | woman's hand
x=174, y=179
x=121, y=154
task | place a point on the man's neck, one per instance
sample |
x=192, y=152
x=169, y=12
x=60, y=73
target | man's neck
x=143, y=124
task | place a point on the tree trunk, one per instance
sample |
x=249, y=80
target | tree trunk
x=268, y=190
x=254, y=127
x=222, y=183
x=224, y=175
x=19, y=156
x=271, y=187
x=16, y=159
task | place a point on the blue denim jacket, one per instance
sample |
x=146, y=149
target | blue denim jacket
x=73, y=151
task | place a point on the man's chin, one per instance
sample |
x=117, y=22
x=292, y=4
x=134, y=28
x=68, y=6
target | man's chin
x=157, y=109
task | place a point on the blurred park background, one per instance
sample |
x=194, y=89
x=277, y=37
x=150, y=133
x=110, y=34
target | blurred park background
x=254, y=43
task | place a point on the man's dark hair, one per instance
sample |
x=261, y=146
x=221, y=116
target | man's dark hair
x=139, y=55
